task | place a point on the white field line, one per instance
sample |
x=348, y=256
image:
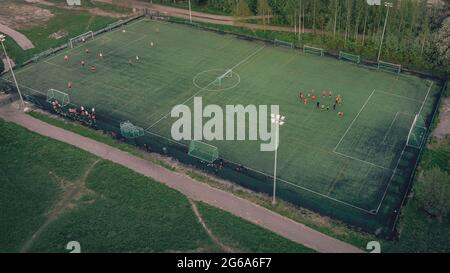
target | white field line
x=400, y=96
x=205, y=87
x=278, y=179
x=103, y=35
x=390, y=127
x=425, y=99
x=363, y=161
x=353, y=121
x=401, y=155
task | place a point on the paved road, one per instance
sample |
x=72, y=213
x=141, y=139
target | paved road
x=193, y=189
x=20, y=39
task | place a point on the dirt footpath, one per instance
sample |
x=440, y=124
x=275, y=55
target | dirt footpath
x=195, y=190
x=20, y=39
x=443, y=128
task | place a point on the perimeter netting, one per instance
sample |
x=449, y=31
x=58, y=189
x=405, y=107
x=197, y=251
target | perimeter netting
x=203, y=151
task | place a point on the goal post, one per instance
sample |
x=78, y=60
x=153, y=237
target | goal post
x=313, y=50
x=227, y=74
x=417, y=132
x=81, y=38
x=349, y=57
x=282, y=43
x=56, y=95
x=203, y=151
x=390, y=67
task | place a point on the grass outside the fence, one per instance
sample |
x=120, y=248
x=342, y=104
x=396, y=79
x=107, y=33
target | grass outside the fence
x=348, y=161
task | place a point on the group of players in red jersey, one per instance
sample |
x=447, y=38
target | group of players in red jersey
x=311, y=97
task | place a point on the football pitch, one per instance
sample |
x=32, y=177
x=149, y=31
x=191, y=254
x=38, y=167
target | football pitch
x=356, y=167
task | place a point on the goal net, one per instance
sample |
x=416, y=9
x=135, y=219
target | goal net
x=56, y=95
x=203, y=151
x=416, y=135
x=349, y=57
x=81, y=38
x=129, y=130
x=228, y=74
x=390, y=67
x=282, y=43
x=313, y=50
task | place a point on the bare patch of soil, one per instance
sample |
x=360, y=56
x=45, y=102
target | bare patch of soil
x=72, y=193
x=22, y=15
x=443, y=128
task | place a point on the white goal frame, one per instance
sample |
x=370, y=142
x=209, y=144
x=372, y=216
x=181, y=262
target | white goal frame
x=348, y=56
x=411, y=130
x=80, y=37
x=227, y=74
x=282, y=43
x=313, y=50
x=390, y=66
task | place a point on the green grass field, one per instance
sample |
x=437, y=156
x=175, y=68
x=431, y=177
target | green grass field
x=355, y=168
x=61, y=193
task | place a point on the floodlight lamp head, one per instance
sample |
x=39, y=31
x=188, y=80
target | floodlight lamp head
x=2, y=38
x=388, y=4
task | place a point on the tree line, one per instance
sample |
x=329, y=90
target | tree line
x=416, y=30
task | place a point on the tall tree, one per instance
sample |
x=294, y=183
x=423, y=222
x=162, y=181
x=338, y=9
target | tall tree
x=241, y=8
x=432, y=192
x=264, y=10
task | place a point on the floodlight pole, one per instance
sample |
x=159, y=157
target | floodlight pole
x=278, y=121
x=2, y=40
x=388, y=5
x=190, y=12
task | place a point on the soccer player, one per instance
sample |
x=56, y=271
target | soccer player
x=313, y=97
x=324, y=93
x=309, y=94
x=334, y=106
x=86, y=50
x=340, y=114
x=305, y=101
x=83, y=63
x=300, y=96
x=69, y=84
x=151, y=43
x=93, y=68
x=137, y=58
x=123, y=31
x=318, y=105
x=66, y=58
x=330, y=94
x=100, y=55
